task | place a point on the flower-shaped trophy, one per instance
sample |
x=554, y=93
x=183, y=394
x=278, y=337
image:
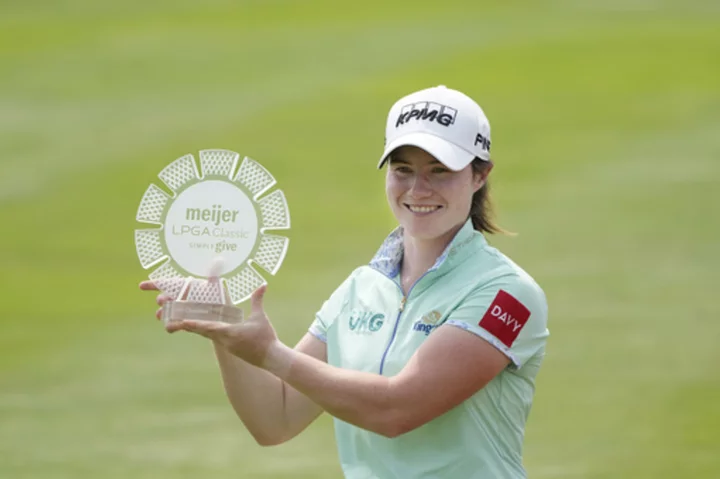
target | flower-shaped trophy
x=209, y=227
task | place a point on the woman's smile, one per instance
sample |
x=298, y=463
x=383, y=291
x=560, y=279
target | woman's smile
x=422, y=210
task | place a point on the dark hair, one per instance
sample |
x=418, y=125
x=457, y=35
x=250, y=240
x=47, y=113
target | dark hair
x=481, y=208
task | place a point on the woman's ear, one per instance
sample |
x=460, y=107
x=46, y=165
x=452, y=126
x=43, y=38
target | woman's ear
x=480, y=175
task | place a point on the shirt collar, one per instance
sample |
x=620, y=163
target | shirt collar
x=388, y=258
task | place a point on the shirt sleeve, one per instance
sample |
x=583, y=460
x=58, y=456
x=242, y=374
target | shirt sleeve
x=510, y=314
x=331, y=309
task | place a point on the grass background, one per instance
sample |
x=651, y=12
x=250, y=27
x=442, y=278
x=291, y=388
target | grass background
x=606, y=121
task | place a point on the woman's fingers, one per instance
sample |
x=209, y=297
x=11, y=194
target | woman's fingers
x=256, y=300
x=162, y=299
x=209, y=329
x=148, y=285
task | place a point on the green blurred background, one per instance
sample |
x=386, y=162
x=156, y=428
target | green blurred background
x=606, y=136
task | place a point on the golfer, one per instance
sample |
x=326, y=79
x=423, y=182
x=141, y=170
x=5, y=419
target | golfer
x=427, y=356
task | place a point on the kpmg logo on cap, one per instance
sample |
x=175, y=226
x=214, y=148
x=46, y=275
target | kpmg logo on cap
x=426, y=111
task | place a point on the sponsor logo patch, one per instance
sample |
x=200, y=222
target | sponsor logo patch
x=505, y=318
x=426, y=111
x=428, y=322
x=365, y=322
x=483, y=141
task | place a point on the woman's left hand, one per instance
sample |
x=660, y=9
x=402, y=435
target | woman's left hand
x=249, y=340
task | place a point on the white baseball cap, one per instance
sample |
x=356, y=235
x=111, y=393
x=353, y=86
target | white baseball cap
x=444, y=122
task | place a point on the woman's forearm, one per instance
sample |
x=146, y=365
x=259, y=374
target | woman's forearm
x=272, y=411
x=363, y=399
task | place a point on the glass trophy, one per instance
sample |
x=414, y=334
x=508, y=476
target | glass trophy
x=206, y=239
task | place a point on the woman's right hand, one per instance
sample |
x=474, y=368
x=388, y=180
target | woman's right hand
x=161, y=298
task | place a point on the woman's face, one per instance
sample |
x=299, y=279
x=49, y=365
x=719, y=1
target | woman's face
x=428, y=199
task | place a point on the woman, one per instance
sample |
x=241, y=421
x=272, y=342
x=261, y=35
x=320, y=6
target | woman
x=426, y=357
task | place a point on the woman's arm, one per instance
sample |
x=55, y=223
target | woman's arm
x=449, y=367
x=271, y=410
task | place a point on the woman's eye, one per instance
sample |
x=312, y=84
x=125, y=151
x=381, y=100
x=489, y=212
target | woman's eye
x=440, y=170
x=403, y=170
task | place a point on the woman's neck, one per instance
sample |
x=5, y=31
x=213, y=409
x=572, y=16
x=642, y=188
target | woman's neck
x=420, y=255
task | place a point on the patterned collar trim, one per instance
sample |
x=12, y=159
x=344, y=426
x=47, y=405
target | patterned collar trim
x=388, y=258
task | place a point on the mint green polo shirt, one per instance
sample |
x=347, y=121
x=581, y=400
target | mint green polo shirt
x=368, y=325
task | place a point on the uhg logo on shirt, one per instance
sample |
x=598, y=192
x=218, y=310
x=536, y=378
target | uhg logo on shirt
x=365, y=322
x=505, y=317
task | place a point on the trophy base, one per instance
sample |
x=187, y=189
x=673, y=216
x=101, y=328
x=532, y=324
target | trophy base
x=179, y=310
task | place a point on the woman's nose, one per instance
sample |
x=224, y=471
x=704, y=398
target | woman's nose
x=420, y=187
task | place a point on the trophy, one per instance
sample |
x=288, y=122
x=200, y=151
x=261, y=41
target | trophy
x=209, y=234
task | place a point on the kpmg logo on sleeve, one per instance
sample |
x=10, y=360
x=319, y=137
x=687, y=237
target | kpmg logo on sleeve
x=426, y=111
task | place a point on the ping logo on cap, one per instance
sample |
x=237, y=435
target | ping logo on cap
x=426, y=111
x=483, y=141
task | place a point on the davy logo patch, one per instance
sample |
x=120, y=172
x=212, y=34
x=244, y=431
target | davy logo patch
x=505, y=317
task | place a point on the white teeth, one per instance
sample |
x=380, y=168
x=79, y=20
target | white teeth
x=422, y=209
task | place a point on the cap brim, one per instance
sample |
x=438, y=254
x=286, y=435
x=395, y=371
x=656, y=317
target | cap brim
x=446, y=153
